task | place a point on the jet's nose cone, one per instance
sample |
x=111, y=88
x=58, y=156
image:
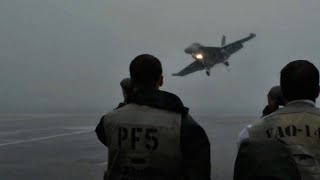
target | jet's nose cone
x=188, y=50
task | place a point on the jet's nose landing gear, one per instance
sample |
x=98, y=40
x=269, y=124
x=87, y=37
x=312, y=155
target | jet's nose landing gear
x=208, y=72
x=227, y=65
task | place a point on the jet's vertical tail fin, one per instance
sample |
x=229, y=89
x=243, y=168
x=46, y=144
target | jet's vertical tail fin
x=223, y=41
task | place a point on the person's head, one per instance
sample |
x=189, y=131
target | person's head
x=275, y=95
x=146, y=72
x=127, y=88
x=300, y=80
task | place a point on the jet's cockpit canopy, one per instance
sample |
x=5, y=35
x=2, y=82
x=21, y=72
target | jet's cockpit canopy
x=193, y=48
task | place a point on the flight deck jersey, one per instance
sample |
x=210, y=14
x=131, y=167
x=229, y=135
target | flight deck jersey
x=298, y=125
x=144, y=143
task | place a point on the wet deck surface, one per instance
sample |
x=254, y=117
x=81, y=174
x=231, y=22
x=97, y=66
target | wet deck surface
x=65, y=147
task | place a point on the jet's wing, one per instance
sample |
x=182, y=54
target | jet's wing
x=193, y=67
x=236, y=46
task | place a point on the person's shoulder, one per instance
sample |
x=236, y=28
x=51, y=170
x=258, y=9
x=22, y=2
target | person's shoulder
x=190, y=127
x=122, y=104
x=159, y=99
x=272, y=115
x=176, y=101
x=193, y=133
x=113, y=112
x=188, y=121
x=285, y=111
x=173, y=97
x=293, y=110
x=257, y=122
x=169, y=94
x=314, y=110
x=109, y=118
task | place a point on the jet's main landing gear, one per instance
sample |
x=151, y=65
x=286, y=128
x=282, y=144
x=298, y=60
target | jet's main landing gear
x=208, y=72
x=227, y=65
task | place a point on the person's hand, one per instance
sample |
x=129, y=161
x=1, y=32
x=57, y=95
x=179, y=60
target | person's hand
x=275, y=97
x=273, y=104
x=275, y=100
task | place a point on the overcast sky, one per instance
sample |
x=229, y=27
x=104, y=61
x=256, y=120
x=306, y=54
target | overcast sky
x=72, y=54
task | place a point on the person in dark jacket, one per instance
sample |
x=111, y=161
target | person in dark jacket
x=153, y=136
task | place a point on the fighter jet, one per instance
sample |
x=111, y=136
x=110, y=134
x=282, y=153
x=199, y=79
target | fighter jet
x=206, y=57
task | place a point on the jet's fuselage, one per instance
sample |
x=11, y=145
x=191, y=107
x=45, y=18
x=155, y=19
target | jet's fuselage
x=210, y=56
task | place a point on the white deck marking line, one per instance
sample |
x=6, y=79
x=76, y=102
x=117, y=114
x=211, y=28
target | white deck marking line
x=103, y=163
x=42, y=129
x=43, y=138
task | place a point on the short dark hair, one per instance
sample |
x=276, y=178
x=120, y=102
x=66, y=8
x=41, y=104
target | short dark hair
x=299, y=80
x=145, y=70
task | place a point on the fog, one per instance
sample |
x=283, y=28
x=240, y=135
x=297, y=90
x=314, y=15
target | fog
x=70, y=55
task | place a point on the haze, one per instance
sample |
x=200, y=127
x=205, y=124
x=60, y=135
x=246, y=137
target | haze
x=70, y=55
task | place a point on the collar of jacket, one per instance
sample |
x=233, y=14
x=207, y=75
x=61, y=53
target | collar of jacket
x=302, y=102
x=159, y=99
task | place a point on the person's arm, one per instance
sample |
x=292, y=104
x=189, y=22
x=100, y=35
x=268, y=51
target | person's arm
x=195, y=148
x=100, y=132
x=243, y=135
x=100, y=127
x=267, y=110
